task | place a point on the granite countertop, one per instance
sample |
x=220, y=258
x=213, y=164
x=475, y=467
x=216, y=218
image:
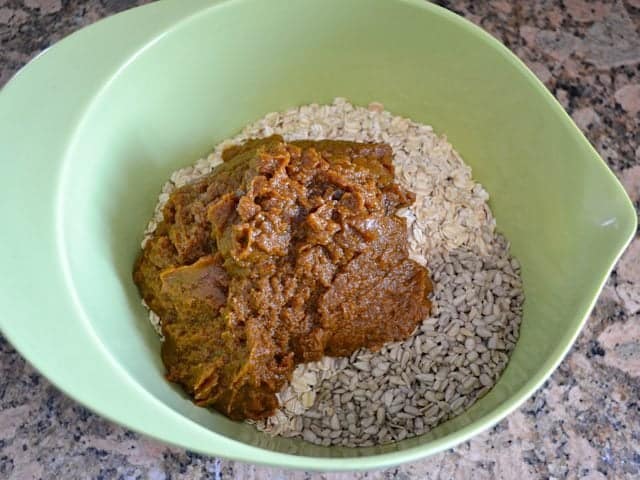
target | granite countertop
x=584, y=422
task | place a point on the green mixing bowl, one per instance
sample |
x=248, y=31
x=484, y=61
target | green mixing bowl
x=91, y=129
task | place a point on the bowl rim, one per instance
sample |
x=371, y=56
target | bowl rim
x=163, y=18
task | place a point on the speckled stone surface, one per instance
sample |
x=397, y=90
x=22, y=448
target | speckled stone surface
x=584, y=423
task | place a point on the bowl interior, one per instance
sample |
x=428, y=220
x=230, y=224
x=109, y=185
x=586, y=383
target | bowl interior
x=212, y=73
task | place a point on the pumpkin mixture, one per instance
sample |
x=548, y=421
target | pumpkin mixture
x=284, y=254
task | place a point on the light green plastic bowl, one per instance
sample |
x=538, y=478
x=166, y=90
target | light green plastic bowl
x=91, y=129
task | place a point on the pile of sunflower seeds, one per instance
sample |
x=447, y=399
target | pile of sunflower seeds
x=409, y=387
x=455, y=356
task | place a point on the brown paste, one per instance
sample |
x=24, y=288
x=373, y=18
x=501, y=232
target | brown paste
x=283, y=254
